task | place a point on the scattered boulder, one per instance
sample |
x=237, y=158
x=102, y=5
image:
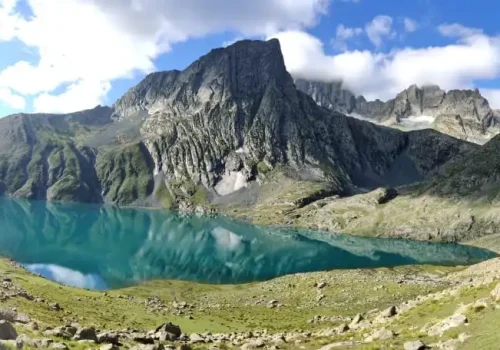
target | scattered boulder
x=58, y=332
x=22, y=318
x=389, y=312
x=149, y=347
x=454, y=321
x=321, y=285
x=356, y=320
x=381, y=334
x=108, y=337
x=342, y=328
x=55, y=306
x=85, y=333
x=109, y=347
x=7, y=331
x=24, y=341
x=414, y=345
x=196, y=338
x=495, y=293
x=8, y=315
x=61, y=346
x=169, y=331
x=142, y=338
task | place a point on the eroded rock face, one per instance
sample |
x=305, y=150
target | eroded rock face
x=216, y=126
x=465, y=114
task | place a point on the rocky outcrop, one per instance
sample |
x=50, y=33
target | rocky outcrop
x=465, y=114
x=207, y=132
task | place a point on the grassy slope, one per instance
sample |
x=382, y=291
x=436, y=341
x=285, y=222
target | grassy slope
x=223, y=308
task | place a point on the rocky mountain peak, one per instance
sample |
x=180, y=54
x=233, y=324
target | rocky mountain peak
x=465, y=114
x=241, y=68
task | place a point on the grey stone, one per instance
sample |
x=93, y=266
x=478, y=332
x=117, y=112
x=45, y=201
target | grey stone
x=414, y=345
x=7, y=331
x=108, y=337
x=85, y=333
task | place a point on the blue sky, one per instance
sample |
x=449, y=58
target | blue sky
x=52, y=63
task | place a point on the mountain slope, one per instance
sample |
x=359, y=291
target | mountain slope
x=209, y=132
x=463, y=114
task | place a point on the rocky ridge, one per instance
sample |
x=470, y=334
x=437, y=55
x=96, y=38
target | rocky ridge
x=186, y=138
x=464, y=114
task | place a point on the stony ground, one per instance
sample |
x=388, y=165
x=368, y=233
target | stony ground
x=401, y=308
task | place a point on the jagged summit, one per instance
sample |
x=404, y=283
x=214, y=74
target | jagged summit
x=465, y=114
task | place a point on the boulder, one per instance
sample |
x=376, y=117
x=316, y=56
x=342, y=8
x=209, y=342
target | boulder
x=356, y=320
x=414, y=345
x=495, y=293
x=170, y=328
x=61, y=346
x=8, y=315
x=380, y=334
x=109, y=347
x=22, y=318
x=24, y=341
x=108, y=337
x=196, y=338
x=7, y=331
x=389, y=312
x=454, y=321
x=86, y=333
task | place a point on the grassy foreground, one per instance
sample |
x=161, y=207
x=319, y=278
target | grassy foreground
x=437, y=291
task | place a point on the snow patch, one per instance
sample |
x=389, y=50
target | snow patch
x=230, y=183
x=416, y=122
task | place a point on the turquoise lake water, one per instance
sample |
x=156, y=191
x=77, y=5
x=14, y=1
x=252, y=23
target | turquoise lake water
x=103, y=247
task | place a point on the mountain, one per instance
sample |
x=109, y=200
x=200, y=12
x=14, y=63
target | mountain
x=212, y=133
x=464, y=114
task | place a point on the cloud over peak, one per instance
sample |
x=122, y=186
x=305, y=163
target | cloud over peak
x=96, y=42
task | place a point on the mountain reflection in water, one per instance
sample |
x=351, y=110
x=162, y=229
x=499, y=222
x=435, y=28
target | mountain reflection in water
x=101, y=246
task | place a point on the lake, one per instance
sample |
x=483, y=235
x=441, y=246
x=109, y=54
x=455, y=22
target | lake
x=104, y=247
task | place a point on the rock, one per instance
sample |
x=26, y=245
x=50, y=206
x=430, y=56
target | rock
x=342, y=328
x=342, y=344
x=386, y=195
x=452, y=344
x=381, y=334
x=55, y=306
x=108, y=337
x=495, y=293
x=85, y=333
x=414, y=345
x=170, y=329
x=321, y=285
x=24, y=341
x=22, y=318
x=109, y=347
x=142, y=338
x=59, y=332
x=389, y=312
x=253, y=344
x=196, y=338
x=44, y=343
x=61, y=346
x=8, y=315
x=7, y=331
x=356, y=320
x=448, y=323
x=183, y=347
x=148, y=347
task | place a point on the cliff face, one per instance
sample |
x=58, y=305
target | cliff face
x=206, y=132
x=464, y=114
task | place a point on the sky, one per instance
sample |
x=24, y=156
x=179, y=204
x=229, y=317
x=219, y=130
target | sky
x=61, y=56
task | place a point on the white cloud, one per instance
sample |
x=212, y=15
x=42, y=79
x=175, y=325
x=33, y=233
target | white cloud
x=458, y=30
x=378, y=28
x=12, y=100
x=343, y=34
x=410, y=25
x=98, y=41
x=493, y=97
x=382, y=75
